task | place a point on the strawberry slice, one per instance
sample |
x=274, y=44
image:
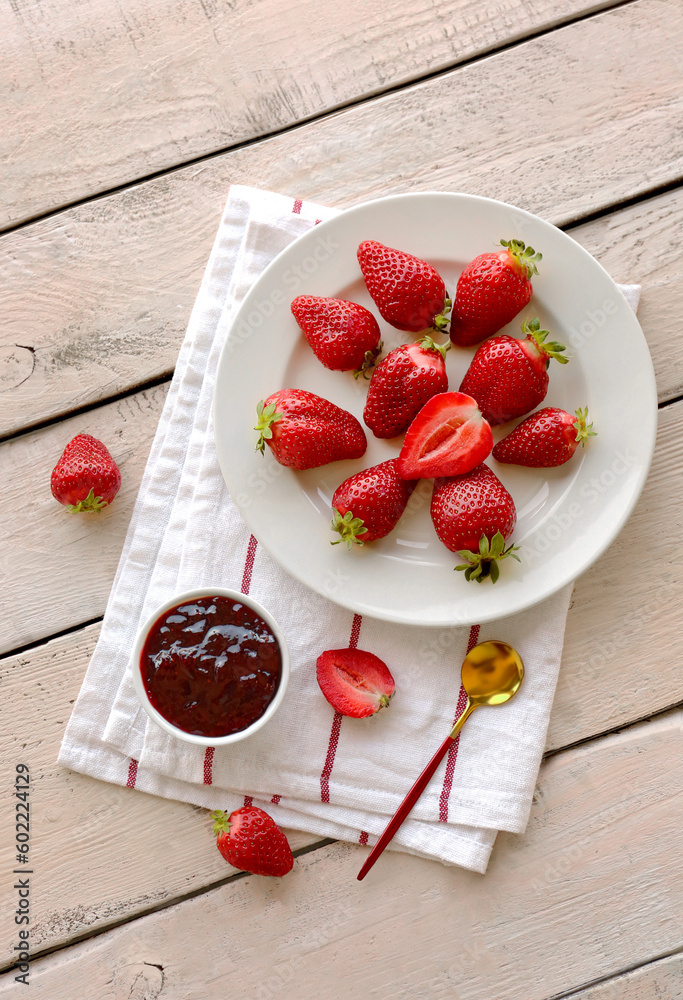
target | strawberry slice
x=355, y=682
x=448, y=437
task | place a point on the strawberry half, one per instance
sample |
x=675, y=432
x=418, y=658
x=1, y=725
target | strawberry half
x=545, y=439
x=86, y=477
x=448, y=437
x=251, y=840
x=491, y=291
x=343, y=335
x=367, y=506
x=401, y=385
x=355, y=682
x=305, y=431
x=508, y=377
x=409, y=292
x=474, y=515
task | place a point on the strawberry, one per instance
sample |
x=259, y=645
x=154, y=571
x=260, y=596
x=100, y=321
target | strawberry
x=474, y=515
x=343, y=335
x=86, y=477
x=409, y=292
x=368, y=505
x=508, y=377
x=355, y=682
x=545, y=439
x=448, y=437
x=249, y=839
x=401, y=385
x=491, y=291
x=304, y=430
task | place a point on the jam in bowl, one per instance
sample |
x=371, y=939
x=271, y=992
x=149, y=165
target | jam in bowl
x=210, y=666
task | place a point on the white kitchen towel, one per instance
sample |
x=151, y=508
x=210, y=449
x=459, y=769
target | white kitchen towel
x=309, y=768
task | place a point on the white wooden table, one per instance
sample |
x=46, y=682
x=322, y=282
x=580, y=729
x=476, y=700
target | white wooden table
x=122, y=127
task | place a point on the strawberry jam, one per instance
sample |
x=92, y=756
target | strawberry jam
x=211, y=666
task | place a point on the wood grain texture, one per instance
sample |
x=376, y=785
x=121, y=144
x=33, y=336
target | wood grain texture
x=560, y=906
x=57, y=569
x=100, y=852
x=141, y=87
x=95, y=300
x=661, y=980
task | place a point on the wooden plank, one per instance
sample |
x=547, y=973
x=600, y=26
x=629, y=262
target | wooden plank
x=661, y=980
x=83, y=321
x=58, y=569
x=134, y=99
x=592, y=887
x=99, y=851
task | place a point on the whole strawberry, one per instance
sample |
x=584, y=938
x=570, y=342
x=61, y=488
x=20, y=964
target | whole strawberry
x=508, y=377
x=367, y=506
x=491, y=291
x=474, y=515
x=86, y=477
x=304, y=431
x=355, y=682
x=409, y=292
x=545, y=439
x=402, y=383
x=343, y=335
x=249, y=839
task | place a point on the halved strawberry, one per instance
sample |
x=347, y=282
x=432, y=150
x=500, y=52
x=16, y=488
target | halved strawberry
x=368, y=505
x=448, y=437
x=546, y=439
x=409, y=292
x=343, y=335
x=305, y=431
x=355, y=682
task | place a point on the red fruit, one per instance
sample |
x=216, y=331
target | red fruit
x=474, y=515
x=545, y=439
x=491, y=291
x=409, y=292
x=355, y=682
x=448, y=437
x=304, y=430
x=343, y=335
x=508, y=377
x=401, y=385
x=368, y=505
x=86, y=477
x=249, y=839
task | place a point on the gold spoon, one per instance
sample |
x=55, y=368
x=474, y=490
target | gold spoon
x=491, y=674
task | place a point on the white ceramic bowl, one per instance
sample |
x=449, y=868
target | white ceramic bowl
x=168, y=727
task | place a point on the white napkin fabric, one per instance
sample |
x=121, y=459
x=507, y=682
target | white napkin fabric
x=309, y=768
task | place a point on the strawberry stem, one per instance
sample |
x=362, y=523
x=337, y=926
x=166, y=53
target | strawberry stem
x=369, y=361
x=550, y=348
x=90, y=503
x=525, y=256
x=266, y=417
x=221, y=822
x=349, y=527
x=440, y=321
x=430, y=345
x=583, y=430
x=483, y=564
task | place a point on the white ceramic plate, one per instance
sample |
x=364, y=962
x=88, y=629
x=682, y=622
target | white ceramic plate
x=566, y=517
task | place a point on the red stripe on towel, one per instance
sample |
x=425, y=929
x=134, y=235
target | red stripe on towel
x=249, y=565
x=208, y=765
x=453, y=750
x=276, y=799
x=132, y=773
x=248, y=801
x=336, y=724
x=297, y=206
x=363, y=839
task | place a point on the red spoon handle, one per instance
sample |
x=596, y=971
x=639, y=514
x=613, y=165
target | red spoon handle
x=405, y=807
